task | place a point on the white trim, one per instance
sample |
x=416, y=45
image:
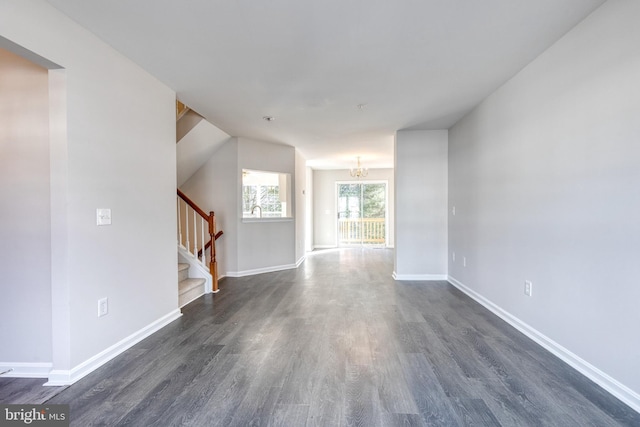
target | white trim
x=260, y=270
x=268, y=219
x=67, y=377
x=421, y=277
x=25, y=370
x=301, y=260
x=324, y=246
x=619, y=390
x=324, y=250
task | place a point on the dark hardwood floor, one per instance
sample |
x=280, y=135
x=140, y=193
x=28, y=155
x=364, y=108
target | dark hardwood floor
x=26, y=390
x=338, y=342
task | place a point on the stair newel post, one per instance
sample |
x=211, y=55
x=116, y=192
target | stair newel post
x=213, y=265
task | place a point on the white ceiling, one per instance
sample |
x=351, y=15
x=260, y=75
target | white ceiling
x=412, y=64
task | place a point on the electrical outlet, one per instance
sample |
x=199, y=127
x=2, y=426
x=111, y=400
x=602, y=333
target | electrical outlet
x=453, y=256
x=453, y=211
x=528, y=288
x=103, y=307
x=464, y=261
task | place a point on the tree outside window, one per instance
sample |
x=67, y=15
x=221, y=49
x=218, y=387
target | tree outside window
x=267, y=197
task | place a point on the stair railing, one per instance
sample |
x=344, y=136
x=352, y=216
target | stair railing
x=193, y=225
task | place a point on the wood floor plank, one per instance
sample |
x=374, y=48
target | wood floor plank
x=326, y=406
x=289, y=415
x=362, y=407
x=402, y=420
x=26, y=390
x=186, y=406
x=257, y=407
x=394, y=392
x=150, y=409
x=306, y=367
x=229, y=393
x=431, y=400
x=477, y=413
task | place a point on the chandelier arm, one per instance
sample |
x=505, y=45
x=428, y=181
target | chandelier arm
x=359, y=172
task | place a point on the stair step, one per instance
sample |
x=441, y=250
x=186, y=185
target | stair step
x=183, y=271
x=190, y=289
x=191, y=283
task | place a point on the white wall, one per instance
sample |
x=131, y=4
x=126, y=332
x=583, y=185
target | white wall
x=544, y=176
x=324, y=203
x=119, y=154
x=247, y=247
x=309, y=214
x=265, y=245
x=421, y=204
x=196, y=148
x=25, y=228
x=300, y=200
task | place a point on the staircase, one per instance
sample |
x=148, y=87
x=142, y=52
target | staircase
x=197, y=265
x=188, y=288
x=196, y=232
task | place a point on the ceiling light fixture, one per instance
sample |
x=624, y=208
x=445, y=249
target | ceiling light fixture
x=268, y=118
x=359, y=172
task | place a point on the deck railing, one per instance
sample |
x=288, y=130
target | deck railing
x=361, y=230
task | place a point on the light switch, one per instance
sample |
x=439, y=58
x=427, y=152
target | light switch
x=103, y=307
x=103, y=216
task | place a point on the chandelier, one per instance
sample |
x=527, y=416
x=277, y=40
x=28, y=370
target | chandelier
x=359, y=172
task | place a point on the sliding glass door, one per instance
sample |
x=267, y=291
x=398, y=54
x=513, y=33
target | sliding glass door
x=362, y=213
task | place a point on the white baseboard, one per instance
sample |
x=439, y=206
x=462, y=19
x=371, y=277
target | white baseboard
x=324, y=246
x=608, y=383
x=320, y=247
x=25, y=370
x=397, y=276
x=68, y=377
x=301, y=260
x=260, y=270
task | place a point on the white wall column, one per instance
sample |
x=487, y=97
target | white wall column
x=421, y=205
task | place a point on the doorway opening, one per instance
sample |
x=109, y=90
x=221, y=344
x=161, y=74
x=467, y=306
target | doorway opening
x=362, y=213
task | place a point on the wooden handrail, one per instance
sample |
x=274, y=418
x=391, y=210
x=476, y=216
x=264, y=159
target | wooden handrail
x=213, y=236
x=191, y=203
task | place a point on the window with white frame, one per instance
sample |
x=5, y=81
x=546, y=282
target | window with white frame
x=264, y=194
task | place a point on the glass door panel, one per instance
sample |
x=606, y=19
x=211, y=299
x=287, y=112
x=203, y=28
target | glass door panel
x=362, y=214
x=349, y=214
x=374, y=212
